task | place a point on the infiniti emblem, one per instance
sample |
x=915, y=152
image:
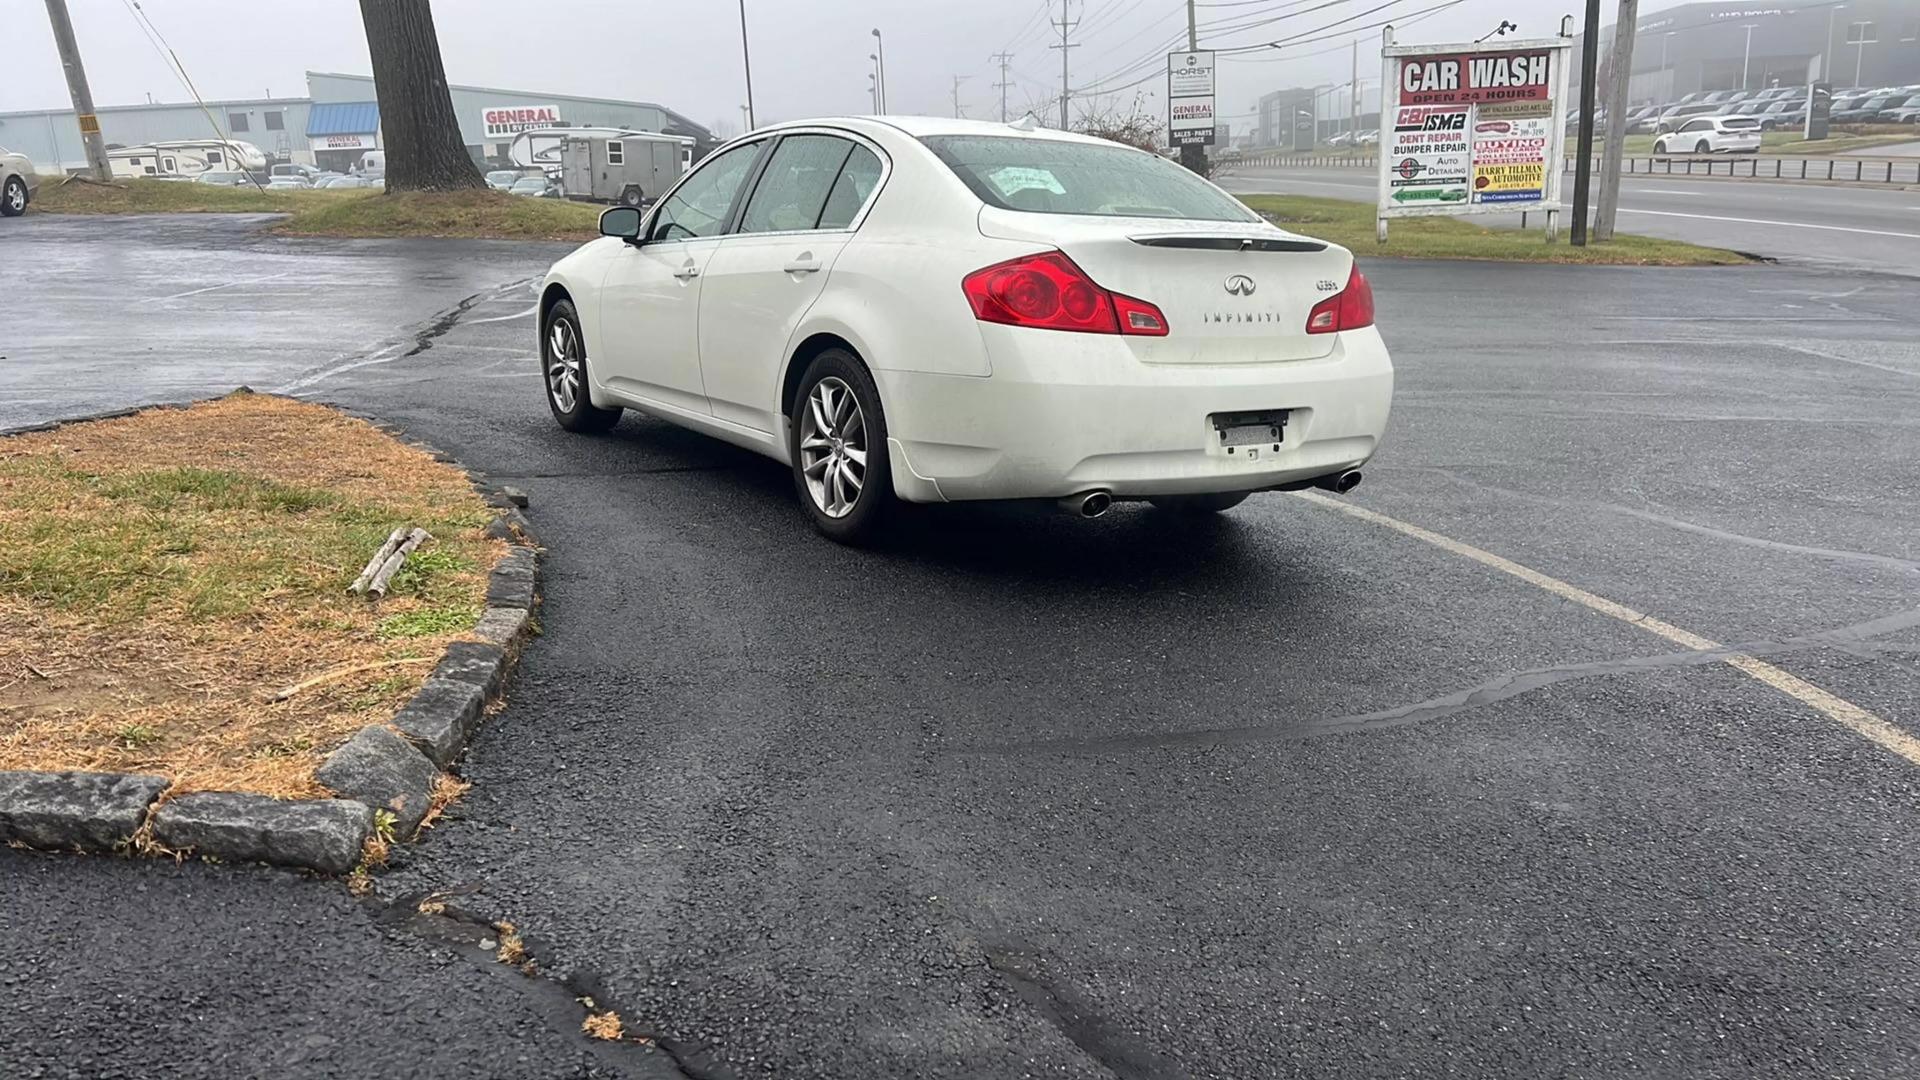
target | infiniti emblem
x=1240, y=285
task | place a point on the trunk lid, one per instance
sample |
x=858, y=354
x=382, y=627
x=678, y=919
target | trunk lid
x=1232, y=292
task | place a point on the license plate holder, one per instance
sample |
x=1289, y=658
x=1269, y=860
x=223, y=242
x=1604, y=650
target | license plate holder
x=1250, y=429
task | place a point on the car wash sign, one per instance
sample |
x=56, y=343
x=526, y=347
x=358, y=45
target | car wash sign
x=503, y=122
x=1471, y=129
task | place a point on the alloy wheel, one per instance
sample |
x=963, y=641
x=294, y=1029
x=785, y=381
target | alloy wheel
x=563, y=364
x=833, y=447
x=16, y=197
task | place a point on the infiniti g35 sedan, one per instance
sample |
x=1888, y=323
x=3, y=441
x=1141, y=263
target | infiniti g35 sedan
x=921, y=310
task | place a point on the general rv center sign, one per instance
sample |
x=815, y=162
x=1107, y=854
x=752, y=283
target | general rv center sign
x=1472, y=129
x=503, y=122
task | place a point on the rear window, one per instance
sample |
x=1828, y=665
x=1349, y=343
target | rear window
x=1048, y=176
x=1739, y=122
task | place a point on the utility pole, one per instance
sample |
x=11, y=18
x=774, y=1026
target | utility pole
x=746, y=60
x=1066, y=27
x=1353, y=94
x=1583, y=169
x=1624, y=26
x=1003, y=59
x=1193, y=157
x=96, y=147
x=880, y=59
x=1746, y=58
x=957, y=80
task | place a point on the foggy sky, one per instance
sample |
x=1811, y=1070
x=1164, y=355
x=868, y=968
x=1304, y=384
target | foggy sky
x=810, y=57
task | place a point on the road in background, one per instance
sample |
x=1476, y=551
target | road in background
x=1818, y=223
x=106, y=313
x=1282, y=793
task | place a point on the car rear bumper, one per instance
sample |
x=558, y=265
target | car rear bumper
x=1069, y=413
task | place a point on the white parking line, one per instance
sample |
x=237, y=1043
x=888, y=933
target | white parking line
x=1762, y=221
x=1845, y=713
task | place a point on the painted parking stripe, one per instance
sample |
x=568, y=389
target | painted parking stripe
x=1763, y=221
x=1860, y=721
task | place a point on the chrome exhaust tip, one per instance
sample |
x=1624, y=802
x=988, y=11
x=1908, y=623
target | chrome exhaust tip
x=1087, y=504
x=1339, y=483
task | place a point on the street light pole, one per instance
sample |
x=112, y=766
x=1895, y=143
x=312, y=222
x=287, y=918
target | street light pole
x=90, y=140
x=880, y=57
x=1746, y=59
x=1826, y=50
x=746, y=61
x=1583, y=169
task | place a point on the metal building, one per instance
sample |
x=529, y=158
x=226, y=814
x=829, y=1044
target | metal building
x=1720, y=46
x=332, y=126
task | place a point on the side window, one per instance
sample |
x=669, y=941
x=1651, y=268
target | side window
x=699, y=207
x=276, y=121
x=616, y=152
x=238, y=121
x=794, y=186
x=852, y=190
x=214, y=158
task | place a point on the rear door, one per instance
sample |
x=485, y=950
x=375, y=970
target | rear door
x=763, y=278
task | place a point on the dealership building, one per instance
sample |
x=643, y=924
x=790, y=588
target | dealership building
x=336, y=122
x=1692, y=47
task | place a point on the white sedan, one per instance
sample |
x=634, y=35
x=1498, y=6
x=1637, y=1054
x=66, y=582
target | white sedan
x=1712, y=135
x=17, y=183
x=930, y=310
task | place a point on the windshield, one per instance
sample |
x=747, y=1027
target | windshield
x=1051, y=176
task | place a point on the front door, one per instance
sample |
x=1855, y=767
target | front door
x=650, y=300
x=766, y=275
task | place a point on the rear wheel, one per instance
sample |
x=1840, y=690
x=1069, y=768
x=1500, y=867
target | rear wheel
x=1216, y=503
x=633, y=196
x=839, y=448
x=1703, y=147
x=563, y=358
x=13, y=198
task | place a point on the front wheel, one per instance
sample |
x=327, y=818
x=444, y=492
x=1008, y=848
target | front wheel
x=13, y=200
x=563, y=358
x=1218, y=502
x=838, y=445
x=1660, y=147
x=633, y=196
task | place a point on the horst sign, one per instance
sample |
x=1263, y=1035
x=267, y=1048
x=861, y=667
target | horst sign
x=506, y=121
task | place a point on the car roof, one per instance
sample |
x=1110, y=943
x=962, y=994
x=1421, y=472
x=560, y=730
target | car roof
x=922, y=126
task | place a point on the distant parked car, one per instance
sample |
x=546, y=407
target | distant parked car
x=17, y=183
x=219, y=178
x=1908, y=114
x=1342, y=139
x=1872, y=109
x=1712, y=135
x=1370, y=137
x=502, y=179
x=289, y=183
x=341, y=183
x=534, y=187
x=1677, y=115
x=1784, y=114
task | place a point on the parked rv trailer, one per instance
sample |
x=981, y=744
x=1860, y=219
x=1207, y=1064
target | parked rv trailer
x=540, y=148
x=629, y=167
x=186, y=158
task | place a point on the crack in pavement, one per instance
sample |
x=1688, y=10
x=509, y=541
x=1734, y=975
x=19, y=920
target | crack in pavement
x=1499, y=688
x=1868, y=557
x=413, y=343
x=1120, y=1052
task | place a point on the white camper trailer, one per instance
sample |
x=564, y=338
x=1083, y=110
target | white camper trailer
x=186, y=158
x=632, y=167
x=540, y=148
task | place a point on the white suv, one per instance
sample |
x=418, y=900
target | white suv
x=1712, y=135
x=17, y=183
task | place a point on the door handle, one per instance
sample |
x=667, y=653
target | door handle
x=803, y=265
x=687, y=273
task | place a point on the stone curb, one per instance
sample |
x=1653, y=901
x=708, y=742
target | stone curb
x=391, y=768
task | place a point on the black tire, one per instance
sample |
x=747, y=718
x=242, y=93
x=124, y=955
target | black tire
x=633, y=196
x=13, y=198
x=860, y=521
x=575, y=411
x=1218, y=502
x=1703, y=147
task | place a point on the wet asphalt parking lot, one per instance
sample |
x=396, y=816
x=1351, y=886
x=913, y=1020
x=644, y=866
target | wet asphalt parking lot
x=1293, y=793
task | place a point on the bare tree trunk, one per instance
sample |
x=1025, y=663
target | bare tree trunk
x=417, y=122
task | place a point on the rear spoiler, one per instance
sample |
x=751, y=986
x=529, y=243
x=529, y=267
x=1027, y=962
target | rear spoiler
x=1229, y=243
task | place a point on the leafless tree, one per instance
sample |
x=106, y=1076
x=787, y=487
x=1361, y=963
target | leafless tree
x=417, y=122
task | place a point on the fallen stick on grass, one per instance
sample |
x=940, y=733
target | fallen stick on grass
x=328, y=676
x=379, y=559
x=377, y=588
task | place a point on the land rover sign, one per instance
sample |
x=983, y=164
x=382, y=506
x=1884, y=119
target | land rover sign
x=1471, y=128
x=503, y=122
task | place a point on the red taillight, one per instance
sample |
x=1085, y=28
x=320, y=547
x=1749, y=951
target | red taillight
x=1349, y=309
x=1049, y=292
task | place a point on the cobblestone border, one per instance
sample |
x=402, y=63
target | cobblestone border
x=384, y=769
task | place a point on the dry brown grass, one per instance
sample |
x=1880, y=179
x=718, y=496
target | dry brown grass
x=163, y=575
x=603, y=1025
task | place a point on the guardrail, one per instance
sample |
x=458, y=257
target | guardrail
x=1863, y=170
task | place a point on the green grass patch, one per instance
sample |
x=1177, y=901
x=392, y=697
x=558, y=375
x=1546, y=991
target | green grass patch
x=468, y=214
x=1351, y=225
x=429, y=622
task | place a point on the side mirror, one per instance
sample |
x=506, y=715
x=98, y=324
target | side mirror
x=623, y=222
